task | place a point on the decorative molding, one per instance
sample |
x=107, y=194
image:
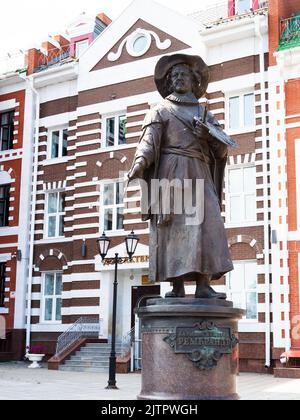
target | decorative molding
x=56, y=185
x=131, y=39
x=247, y=240
x=241, y=159
x=51, y=253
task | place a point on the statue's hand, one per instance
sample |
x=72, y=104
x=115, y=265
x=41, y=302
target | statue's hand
x=137, y=170
x=201, y=130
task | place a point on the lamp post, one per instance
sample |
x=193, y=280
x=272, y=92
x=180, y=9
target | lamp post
x=103, y=244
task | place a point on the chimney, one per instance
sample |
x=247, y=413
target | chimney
x=104, y=19
x=63, y=42
x=50, y=45
x=34, y=59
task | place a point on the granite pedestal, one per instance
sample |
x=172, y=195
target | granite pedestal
x=189, y=349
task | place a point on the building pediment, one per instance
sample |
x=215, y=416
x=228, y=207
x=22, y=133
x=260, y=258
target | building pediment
x=141, y=41
x=165, y=31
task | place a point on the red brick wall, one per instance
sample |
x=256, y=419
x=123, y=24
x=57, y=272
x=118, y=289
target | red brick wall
x=14, y=168
x=11, y=275
x=292, y=90
x=20, y=98
x=279, y=9
x=294, y=250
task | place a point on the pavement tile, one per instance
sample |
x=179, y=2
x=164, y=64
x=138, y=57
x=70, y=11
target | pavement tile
x=17, y=382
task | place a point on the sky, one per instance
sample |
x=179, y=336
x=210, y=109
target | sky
x=26, y=23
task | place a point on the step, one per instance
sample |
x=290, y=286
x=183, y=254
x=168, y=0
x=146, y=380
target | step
x=69, y=363
x=86, y=359
x=93, y=355
x=100, y=347
x=287, y=373
x=104, y=350
x=82, y=369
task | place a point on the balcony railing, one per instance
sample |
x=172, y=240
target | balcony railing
x=52, y=57
x=222, y=12
x=290, y=33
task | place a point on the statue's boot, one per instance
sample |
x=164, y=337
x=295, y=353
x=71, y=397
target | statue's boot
x=178, y=290
x=205, y=291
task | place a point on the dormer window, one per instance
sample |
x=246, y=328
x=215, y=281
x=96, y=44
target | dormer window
x=81, y=47
x=242, y=6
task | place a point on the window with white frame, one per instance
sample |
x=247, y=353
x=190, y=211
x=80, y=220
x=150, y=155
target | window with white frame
x=113, y=206
x=6, y=130
x=52, y=297
x=4, y=205
x=81, y=46
x=55, y=214
x=242, y=288
x=242, y=6
x=241, y=111
x=241, y=195
x=115, y=131
x=58, y=143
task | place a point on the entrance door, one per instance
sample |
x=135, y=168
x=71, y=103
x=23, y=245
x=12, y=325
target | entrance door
x=137, y=293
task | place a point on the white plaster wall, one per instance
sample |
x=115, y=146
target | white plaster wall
x=61, y=90
x=24, y=211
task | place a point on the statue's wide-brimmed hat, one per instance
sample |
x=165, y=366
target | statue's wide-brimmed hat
x=195, y=62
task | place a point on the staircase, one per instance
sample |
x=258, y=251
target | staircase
x=90, y=358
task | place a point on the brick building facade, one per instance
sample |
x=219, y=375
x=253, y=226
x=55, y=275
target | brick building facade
x=89, y=122
x=284, y=78
x=15, y=172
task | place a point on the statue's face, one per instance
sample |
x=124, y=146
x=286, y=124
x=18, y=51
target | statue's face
x=181, y=79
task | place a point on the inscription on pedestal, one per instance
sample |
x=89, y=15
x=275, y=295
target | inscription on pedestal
x=204, y=343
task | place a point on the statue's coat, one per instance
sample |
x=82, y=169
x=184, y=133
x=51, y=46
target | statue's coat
x=173, y=151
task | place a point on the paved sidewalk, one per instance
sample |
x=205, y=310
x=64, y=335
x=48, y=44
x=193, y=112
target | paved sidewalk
x=19, y=383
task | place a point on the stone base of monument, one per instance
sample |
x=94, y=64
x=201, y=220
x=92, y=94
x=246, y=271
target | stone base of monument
x=189, y=349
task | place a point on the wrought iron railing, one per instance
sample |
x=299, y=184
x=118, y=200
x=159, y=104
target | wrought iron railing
x=290, y=32
x=85, y=327
x=127, y=342
x=131, y=345
x=137, y=354
x=53, y=56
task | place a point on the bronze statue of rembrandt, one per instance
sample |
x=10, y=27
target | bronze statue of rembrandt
x=182, y=141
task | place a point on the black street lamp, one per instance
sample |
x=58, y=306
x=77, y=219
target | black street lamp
x=103, y=244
